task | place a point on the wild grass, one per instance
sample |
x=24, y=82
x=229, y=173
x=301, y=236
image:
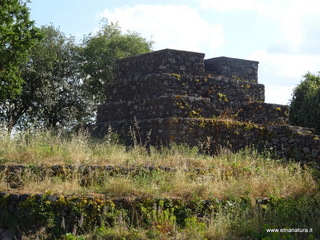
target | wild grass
x=224, y=181
x=245, y=173
x=45, y=147
x=194, y=176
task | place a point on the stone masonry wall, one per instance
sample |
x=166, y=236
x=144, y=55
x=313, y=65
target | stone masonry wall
x=163, y=61
x=210, y=135
x=264, y=113
x=168, y=95
x=23, y=215
x=178, y=96
x=233, y=67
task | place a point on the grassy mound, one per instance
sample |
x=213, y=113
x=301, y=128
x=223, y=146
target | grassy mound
x=112, y=191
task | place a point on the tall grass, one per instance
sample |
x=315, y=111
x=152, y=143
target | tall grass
x=246, y=173
x=193, y=176
x=45, y=147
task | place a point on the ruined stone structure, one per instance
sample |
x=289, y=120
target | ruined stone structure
x=178, y=96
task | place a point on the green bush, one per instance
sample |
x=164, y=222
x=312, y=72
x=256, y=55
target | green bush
x=305, y=104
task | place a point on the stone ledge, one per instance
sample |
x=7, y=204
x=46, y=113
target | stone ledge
x=154, y=85
x=264, y=113
x=163, y=106
x=283, y=141
x=66, y=214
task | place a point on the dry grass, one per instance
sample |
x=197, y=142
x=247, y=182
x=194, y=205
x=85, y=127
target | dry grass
x=246, y=173
x=227, y=175
x=52, y=148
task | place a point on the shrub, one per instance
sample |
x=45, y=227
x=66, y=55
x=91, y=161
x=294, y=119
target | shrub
x=305, y=104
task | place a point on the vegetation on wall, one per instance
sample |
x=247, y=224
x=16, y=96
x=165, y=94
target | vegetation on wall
x=144, y=218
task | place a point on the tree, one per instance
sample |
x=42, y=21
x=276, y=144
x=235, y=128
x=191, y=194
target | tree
x=64, y=82
x=17, y=35
x=305, y=104
x=52, y=95
x=100, y=51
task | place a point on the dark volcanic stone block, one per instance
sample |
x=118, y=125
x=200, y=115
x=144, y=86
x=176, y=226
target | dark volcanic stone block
x=233, y=67
x=163, y=61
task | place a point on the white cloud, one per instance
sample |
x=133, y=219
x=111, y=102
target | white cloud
x=170, y=26
x=227, y=5
x=296, y=49
x=297, y=20
x=278, y=94
x=289, y=15
x=287, y=65
x=280, y=73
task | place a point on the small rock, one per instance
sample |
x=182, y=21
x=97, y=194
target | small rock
x=262, y=201
x=306, y=149
x=162, y=67
x=52, y=198
x=182, y=68
x=14, y=197
x=24, y=197
x=314, y=153
x=2, y=194
x=8, y=234
x=11, y=208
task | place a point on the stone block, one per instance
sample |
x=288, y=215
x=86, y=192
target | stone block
x=162, y=61
x=233, y=68
x=8, y=234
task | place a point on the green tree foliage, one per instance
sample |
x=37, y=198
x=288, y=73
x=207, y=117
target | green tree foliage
x=64, y=81
x=17, y=35
x=53, y=94
x=100, y=51
x=305, y=103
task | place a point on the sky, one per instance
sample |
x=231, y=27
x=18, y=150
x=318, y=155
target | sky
x=283, y=35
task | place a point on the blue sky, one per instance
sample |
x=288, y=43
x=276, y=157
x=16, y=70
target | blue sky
x=283, y=35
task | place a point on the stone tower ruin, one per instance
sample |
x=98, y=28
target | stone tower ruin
x=177, y=96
